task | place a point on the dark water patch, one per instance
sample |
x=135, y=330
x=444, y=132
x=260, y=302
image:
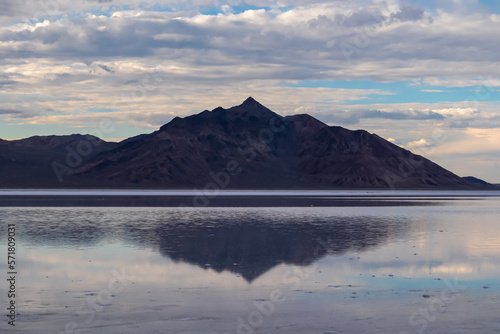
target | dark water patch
x=209, y=201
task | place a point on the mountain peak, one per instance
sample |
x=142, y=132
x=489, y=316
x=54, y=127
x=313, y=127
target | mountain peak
x=250, y=101
x=252, y=104
x=254, y=108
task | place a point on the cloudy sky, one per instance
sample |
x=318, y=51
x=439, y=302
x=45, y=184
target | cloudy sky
x=423, y=74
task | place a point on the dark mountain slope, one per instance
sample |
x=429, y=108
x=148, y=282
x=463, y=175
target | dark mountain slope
x=30, y=162
x=478, y=182
x=184, y=152
x=261, y=149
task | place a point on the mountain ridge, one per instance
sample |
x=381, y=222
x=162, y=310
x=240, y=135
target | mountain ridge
x=246, y=147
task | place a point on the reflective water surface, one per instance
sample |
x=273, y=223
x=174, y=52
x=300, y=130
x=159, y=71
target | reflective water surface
x=428, y=264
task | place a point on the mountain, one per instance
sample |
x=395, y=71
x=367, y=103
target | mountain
x=475, y=181
x=29, y=162
x=246, y=147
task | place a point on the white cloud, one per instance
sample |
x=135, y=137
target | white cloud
x=226, y=9
x=432, y=90
x=491, y=79
x=473, y=141
x=459, y=112
x=418, y=143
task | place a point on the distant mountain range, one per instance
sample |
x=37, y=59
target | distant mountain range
x=244, y=147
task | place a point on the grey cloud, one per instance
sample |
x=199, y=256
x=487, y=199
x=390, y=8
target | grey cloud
x=106, y=68
x=408, y=12
x=320, y=21
x=10, y=8
x=482, y=121
x=128, y=82
x=67, y=78
x=9, y=111
x=7, y=82
x=366, y=16
x=458, y=124
x=402, y=115
x=136, y=38
x=353, y=117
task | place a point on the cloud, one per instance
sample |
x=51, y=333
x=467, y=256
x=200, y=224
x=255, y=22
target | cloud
x=363, y=17
x=7, y=82
x=226, y=9
x=9, y=111
x=305, y=39
x=441, y=114
x=402, y=115
x=432, y=90
x=483, y=84
x=106, y=68
x=463, y=113
x=419, y=143
x=475, y=152
x=408, y=12
x=356, y=115
x=473, y=141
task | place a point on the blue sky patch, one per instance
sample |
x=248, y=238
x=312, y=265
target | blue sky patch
x=406, y=91
x=237, y=9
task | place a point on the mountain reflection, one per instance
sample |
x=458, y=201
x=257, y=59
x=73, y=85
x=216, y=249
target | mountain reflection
x=251, y=247
x=248, y=242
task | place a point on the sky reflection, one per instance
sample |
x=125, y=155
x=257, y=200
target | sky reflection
x=188, y=263
x=401, y=241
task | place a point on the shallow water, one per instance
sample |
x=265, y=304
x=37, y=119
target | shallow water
x=390, y=263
